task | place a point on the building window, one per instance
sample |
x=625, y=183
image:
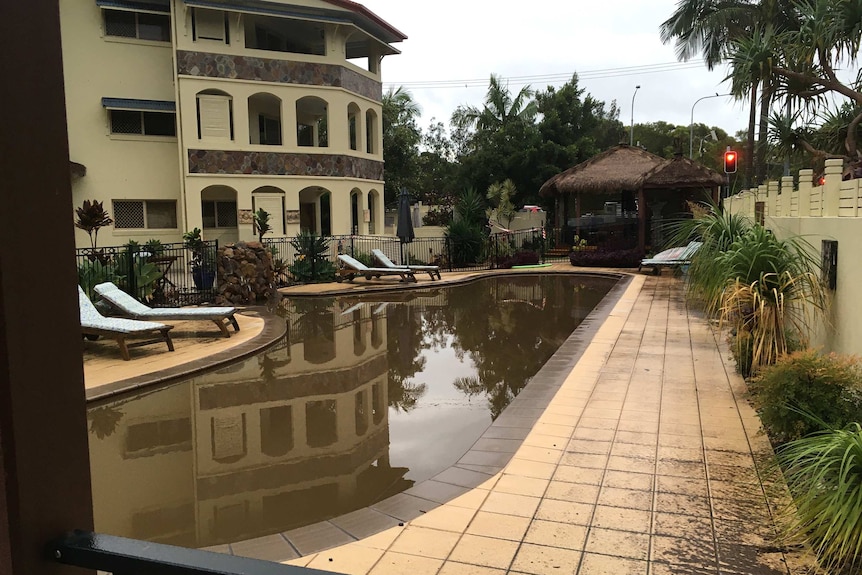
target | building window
x=143, y=123
x=145, y=214
x=219, y=214
x=140, y=25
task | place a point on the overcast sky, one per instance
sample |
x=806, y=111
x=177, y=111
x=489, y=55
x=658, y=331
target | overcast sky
x=604, y=41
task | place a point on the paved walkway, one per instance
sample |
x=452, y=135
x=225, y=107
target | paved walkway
x=647, y=461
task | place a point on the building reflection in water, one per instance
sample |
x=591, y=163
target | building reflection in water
x=301, y=432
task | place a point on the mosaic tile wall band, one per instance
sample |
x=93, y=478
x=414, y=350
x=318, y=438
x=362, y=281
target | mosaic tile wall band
x=270, y=70
x=282, y=164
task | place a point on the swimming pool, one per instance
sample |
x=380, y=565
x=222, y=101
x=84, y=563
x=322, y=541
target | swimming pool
x=363, y=397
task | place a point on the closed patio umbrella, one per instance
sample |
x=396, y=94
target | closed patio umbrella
x=404, y=231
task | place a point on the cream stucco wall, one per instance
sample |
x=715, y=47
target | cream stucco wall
x=118, y=166
x=133, y=167
x=843, y=332
x=824, y=212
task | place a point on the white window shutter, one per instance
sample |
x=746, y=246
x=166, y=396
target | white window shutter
x=214, y=117
x=209, y=25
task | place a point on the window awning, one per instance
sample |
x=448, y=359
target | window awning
x=267, y=9
x=144, y=105
x=161, y=6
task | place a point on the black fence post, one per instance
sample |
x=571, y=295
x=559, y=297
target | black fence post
x=313, y=256
x=448, y=253
x=132, y=281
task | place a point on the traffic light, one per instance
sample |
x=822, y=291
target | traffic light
x=730, y=158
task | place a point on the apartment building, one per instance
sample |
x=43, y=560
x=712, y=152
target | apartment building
x=196, y=113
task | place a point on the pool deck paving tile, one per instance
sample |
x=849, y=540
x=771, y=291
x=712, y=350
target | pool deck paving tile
x=647, y=459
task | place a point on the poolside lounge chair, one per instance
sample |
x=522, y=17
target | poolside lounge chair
x=126, y=305
x=387, y=263
x=353, y=267
x=94, y=323
x=671, y=258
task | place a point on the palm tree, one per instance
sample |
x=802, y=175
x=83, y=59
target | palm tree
x=711, y=27
x=500, y=108
x=401, y=138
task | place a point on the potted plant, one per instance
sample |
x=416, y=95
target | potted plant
x=203, y=259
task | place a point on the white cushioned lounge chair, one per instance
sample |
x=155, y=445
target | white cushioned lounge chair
x=128, y=306
x=94, y=323
x=671, y=258
x=387, y=263
x=353, y=268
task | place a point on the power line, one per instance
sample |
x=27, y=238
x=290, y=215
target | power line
x=596, y=74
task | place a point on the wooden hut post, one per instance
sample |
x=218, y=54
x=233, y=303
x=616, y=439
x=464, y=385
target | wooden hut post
x=641, y=219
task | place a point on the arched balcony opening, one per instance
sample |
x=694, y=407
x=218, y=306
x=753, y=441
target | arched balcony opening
x=312, y=122
x=372, y=142
x=264, y=120
x=373, y=211
x=315, y=210
x=353, y=126
x=355, y=211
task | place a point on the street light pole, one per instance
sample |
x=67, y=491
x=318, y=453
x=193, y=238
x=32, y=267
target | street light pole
x=632, y=131
x=691, y=124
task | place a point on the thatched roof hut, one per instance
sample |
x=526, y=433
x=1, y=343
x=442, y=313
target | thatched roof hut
x=680, y=172
x=619, y=168
x=626, y=168
x=631, y=171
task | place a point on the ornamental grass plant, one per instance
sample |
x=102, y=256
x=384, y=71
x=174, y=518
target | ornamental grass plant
x=766, y=290
x=824, y=474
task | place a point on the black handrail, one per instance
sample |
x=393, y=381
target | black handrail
x=122, y=556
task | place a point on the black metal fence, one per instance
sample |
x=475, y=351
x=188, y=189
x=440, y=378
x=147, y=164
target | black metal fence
x=170, y=275
x=162, y=275
x=485, y=252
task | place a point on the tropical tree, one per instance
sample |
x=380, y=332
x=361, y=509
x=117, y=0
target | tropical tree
x=261, y=222
x=498, y=140
x=573, y=127
x=500, y=194
x=500, y=108
x=437, y=167
x=710, y=28
x=91, y=217
x=401, y=138
x=806, y=58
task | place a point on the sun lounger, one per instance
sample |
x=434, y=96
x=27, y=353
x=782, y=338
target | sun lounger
x=94, y=323
x=673, y=257
x=126, y=305
x=387, y=263
x=353, y=268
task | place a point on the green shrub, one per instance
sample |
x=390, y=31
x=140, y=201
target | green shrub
x=466, y=242
x=311, y=263
x=824, y=474
x=804, y=387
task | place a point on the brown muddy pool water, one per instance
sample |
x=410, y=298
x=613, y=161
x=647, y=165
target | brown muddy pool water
x=363, y=397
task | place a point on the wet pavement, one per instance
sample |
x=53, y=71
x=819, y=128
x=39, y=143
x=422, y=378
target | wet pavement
x=645, y=458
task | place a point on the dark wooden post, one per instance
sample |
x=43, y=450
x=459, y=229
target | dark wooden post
x=44, y=461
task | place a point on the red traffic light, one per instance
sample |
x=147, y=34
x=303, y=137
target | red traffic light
x=730, y=158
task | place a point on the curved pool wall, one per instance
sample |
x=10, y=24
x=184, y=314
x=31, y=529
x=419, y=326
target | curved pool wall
x=484, y=458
